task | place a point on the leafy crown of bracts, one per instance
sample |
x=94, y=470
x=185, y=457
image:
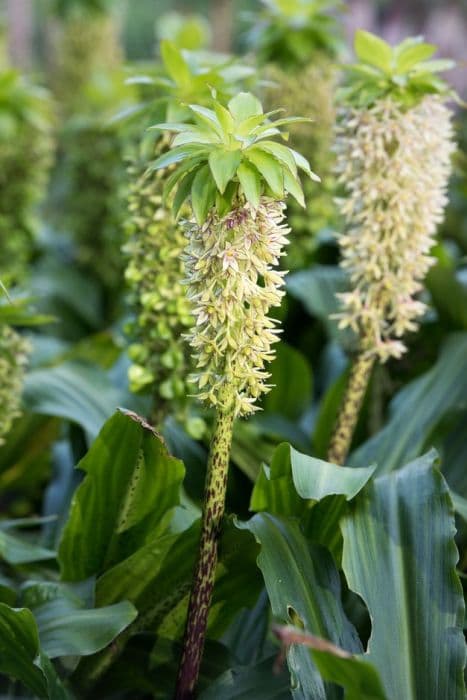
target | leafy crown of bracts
x=183, y=77
x=406, y=73
x=228, y=152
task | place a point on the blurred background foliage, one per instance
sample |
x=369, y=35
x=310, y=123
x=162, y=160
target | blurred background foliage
x=80, y=82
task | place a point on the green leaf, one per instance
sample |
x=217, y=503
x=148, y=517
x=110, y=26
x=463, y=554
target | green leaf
x=17, y=550
x=281, y=153
x=66, y=626
x=19, y=648
x=271, y=170
x=291, y=378
x=21, y=657
x=409, y=56
x=183, y=192
x=357, y=676
x=292, y=186
x=316, y=288
x=244, y=105
x=250, y=180
x=74, y=391
x=373, y=50
x=154, y=574
x=223, y=165
x=304, y=165
x=293, y=476
x=438, y=66
x=417, y=409
x=302, y=582
x=174, y=63
x=203, y=193
x=209, y=118
x=400, y=557
x=131, y=487
x=175, y=155
x=257, y=681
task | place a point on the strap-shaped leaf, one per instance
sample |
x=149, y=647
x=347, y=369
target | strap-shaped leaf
x=400, y=557
x=131, y=487
x=302, y=582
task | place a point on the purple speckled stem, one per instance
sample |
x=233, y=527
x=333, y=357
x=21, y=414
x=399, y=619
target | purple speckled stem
x=205, y=570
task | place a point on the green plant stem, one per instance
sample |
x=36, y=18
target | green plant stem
x=347, y=418
x=205, y=569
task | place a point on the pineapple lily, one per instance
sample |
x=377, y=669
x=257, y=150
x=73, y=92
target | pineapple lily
x=160, y=356
x=236, y=179
x=394, y=142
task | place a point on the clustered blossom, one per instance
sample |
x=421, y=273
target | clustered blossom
x=394, y=163
x=232, y=284
x=14, y=351
x=154, y=273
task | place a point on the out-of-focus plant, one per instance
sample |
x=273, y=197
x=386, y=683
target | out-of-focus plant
x=394, y=142
x=26, y=147
x=14, y=351
x=236, y=179
x=190, y=31
x=298, y=42
x=155, y=271
x=86, y=44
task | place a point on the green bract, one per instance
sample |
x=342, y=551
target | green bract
x=403, y=72
x=228, y=151
x=185, y=77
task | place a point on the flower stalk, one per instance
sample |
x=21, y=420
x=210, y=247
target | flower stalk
x=236, y=179
x=205, y=569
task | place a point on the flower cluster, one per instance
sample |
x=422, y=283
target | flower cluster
x=154, y=273
x=394, y=163
x=13, y=358
x=232, y=284
x=26, y=154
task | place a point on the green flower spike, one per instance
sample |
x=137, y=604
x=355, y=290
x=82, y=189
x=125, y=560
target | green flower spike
x=236, y=178
x=394, y=142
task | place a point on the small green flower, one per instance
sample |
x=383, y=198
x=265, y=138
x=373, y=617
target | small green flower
x=236, y=178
